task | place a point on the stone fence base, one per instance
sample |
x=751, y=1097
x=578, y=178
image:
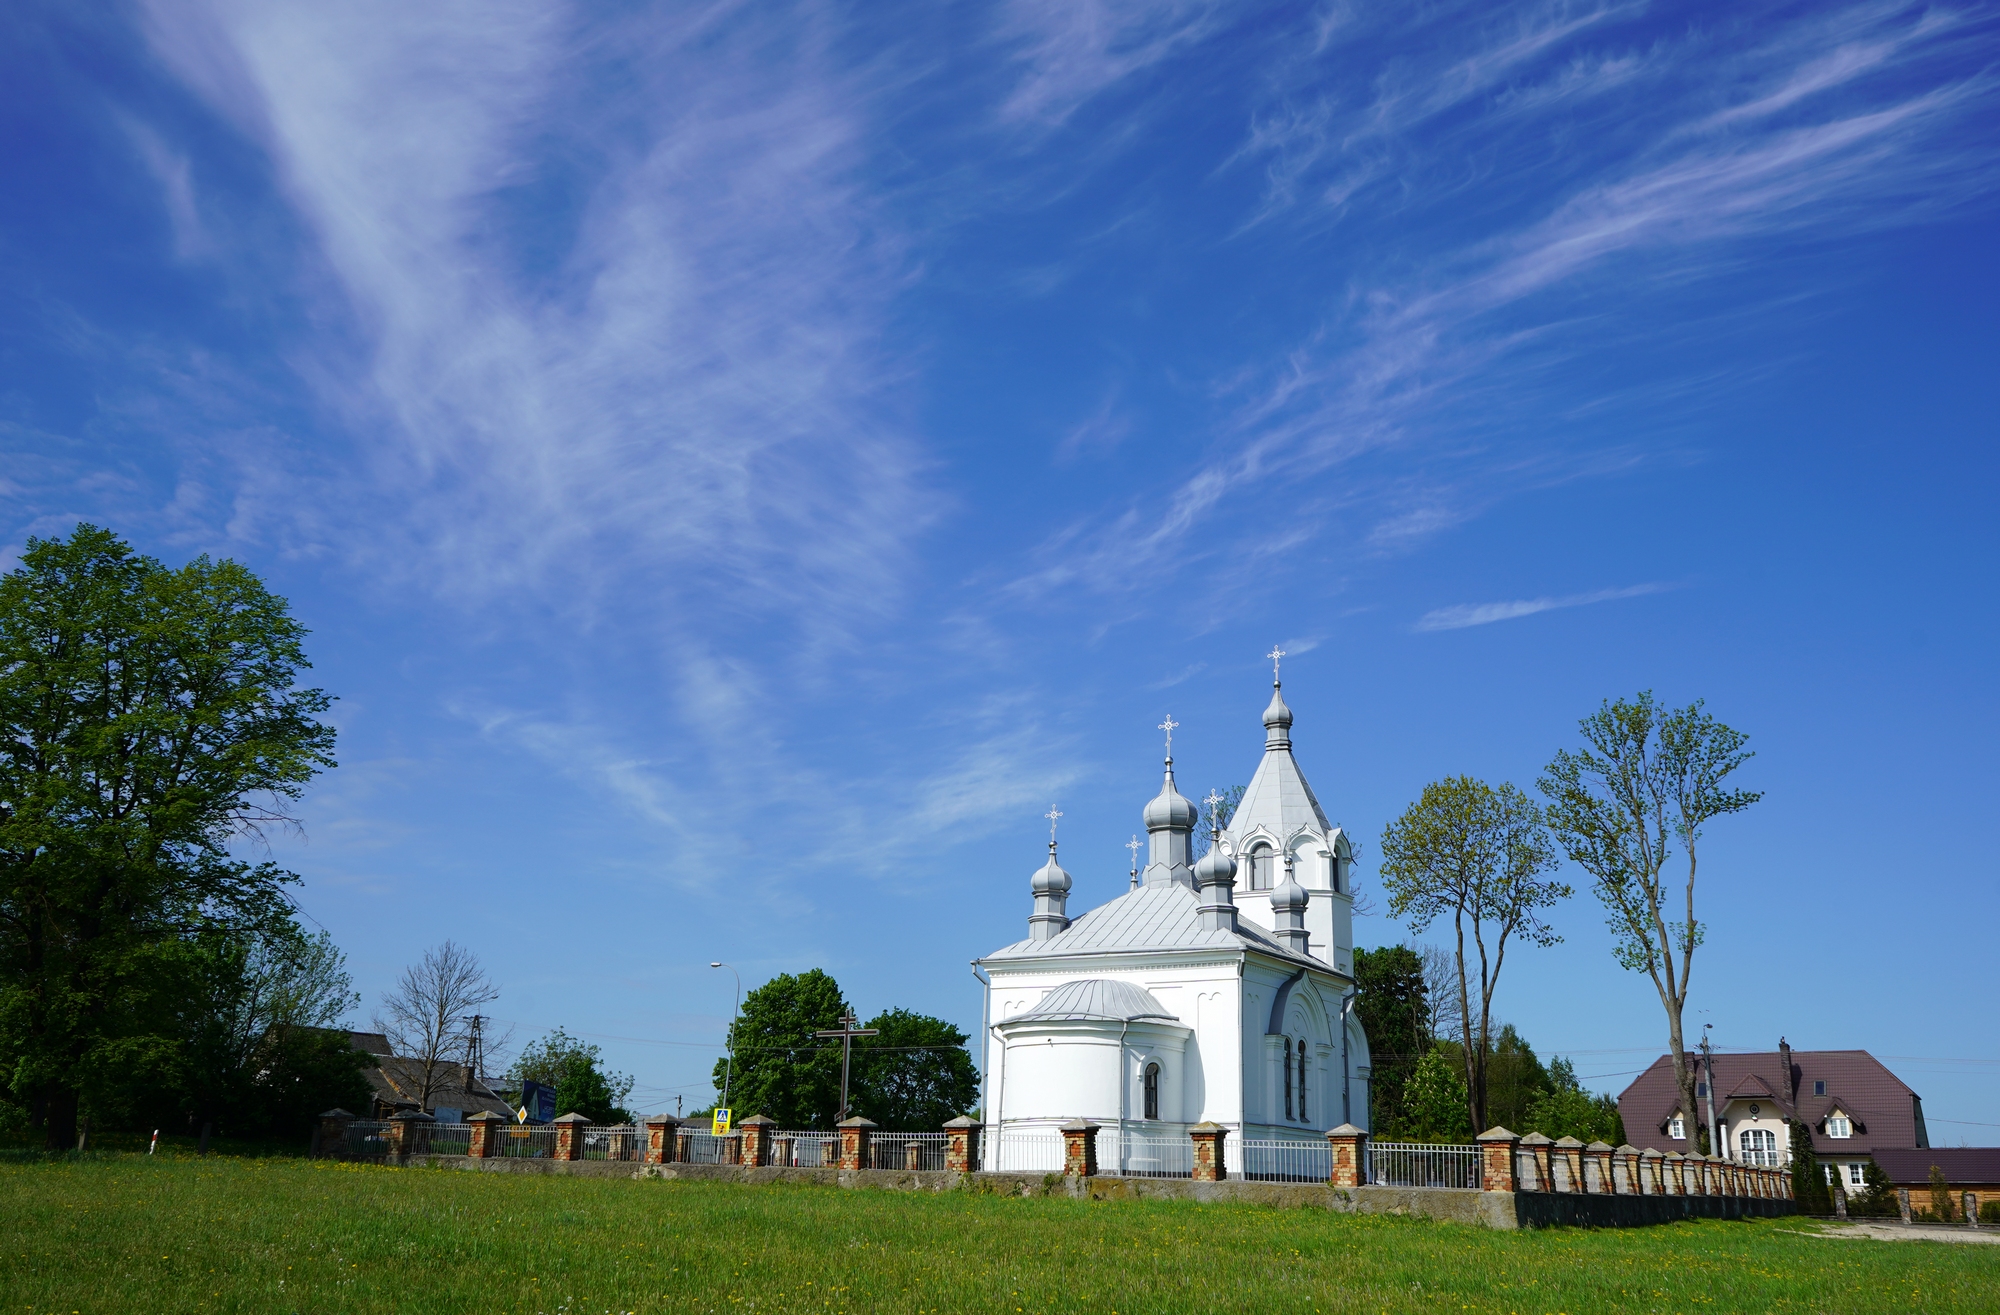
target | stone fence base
x=1456, y=1205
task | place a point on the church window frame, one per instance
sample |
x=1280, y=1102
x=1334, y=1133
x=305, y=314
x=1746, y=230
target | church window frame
x=1285, y=1044
x=1149, y=1090
x=1303, y=1116
x=1263, y=866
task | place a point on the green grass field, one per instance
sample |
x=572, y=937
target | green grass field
x=128, y=1234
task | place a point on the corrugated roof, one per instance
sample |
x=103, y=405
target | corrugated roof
x=1160, y=917
x=1886, y=1111
x=1096, y=999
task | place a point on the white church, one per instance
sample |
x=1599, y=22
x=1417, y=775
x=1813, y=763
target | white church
x=1217, y=991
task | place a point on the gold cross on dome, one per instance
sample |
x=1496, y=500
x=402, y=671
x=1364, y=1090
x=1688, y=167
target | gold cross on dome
x=1054, y=814
x=1168, y=726
x=1275, y=655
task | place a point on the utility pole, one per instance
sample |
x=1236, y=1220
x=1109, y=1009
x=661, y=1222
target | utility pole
x=1708, y=1068
x=729, y=1068
x=847, y=1031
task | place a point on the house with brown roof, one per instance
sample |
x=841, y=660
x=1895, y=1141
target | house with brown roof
x=456, y=1094
x=1854, y=1106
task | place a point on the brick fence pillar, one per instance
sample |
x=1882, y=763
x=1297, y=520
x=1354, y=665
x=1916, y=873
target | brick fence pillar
x=409, y=1133
x=1672, y=1181
x=1571, y=1151
x=1348, y=1157
x=330, y=1138
x=1597, y=1168
x=1079, y=1149
x=486, y=1127
x=855, y=1152
x=1903, y=1203
x=1496, y=1160
x=569, y=1136
x=1537, y=1146
x=1652, y=1173
x=1625, y=1170
x=1209, y=1164
x=961, y=1144
x=757, y=1140
x=660, y=1139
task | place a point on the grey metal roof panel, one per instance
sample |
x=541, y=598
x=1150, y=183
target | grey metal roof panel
x=1097, y=999
x=1278, y=799
x=1161, y=917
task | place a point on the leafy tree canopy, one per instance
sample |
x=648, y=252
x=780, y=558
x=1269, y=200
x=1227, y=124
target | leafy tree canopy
x=149, y=717
x=1434, y=1106
x=914, y=1075
x=572, y=1067
x=1565, y=1109
x=781, y=1069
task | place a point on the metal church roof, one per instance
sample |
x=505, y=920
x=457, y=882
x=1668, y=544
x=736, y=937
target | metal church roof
x=1097, y=999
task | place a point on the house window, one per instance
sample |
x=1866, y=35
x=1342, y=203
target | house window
x=1819, y=1088
x=1855, y=1178
x=1677, y=1128
x=1758, y=1147
x=1827, y=1169
x=1151, y=1085
x=1302, y=1082
x=1260, y=868
x=1838, y=1126
x=1287, y=1042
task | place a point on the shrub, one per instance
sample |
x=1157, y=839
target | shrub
x=1809, y=1187
x=1941, y=1197
x=1877, y=1197
x=1989, y=1212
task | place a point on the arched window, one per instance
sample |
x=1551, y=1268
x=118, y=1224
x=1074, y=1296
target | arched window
x=1302, y=1082
x=1758, y=1146
x=1336, y=873
x=1288, y=1075
x=1151, y=1086
x=1260, y=868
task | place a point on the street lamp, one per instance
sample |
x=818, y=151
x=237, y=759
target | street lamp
x=729, y=1067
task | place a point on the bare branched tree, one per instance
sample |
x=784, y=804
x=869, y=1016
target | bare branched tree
x=427, y=1016
x=1441, y=989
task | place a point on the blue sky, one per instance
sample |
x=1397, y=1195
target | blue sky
x=742, y=463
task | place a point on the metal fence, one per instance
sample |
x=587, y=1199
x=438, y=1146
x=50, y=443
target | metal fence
x=1280, y=1161
x=611, y=1141
x=1137, y=1155
x=523, y=1141
x=1022, y=1152
x=1412, y=1164
x=705, y=1148
x=448, y=1138
x=906, y=1150
x=367, y=1139
x=805, y=1148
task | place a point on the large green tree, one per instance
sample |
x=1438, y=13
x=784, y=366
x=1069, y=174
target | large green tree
x=575, y=1069
x=150, y=717
x=1396, y=1014
x=1647, y=778
x=1567, y=1110
x=914, y=1074
x=782, y=1070
x=1475, y=854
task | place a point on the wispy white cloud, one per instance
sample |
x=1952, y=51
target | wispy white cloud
x=1481, y=614
x=1069, y=51
x=1691, y=156
x=673, y=380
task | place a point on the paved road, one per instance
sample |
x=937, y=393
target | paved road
x=1887, y=1230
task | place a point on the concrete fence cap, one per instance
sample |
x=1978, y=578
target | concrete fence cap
x=1675, y=1155
x=1079, y=1125
x=659, y=1119
x=1627, y=1148
x=963, y=1121
x=1498, y=1133
x=1567, y=1142
x=1347, y=1130
x=1207, y=1127
x=1652, y=1152
x=1598, y=1146
x=857, y=1122
x=761, y=1120
x=1536, y=1139
x=336, y=1113
x=574, y=1117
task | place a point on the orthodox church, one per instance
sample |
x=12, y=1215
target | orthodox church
x=1219, y=990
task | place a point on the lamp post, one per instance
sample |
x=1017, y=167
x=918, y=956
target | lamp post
x=729, y=1066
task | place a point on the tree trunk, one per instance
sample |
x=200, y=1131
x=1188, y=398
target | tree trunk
x=1683, y=1080
x=60, y=1120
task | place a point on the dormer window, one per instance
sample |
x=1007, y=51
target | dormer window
x=1261, y=864
x=1677, y=1128
x=1838, y=1127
